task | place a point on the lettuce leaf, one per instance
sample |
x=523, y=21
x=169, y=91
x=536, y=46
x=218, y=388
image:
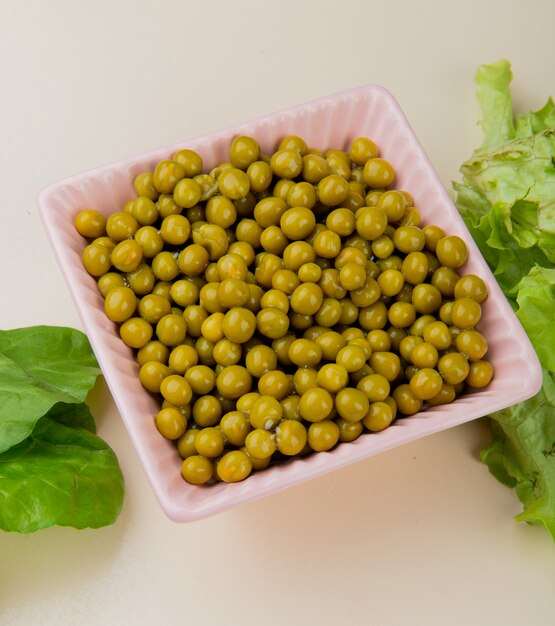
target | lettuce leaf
x=519, y=179
x=492, y=90
x=536, y=301
x=39, y=367
x=53, y=467
x=521, y=454
x=60, y=474
x=76, y=415
x=507, y=200
x=536, y=121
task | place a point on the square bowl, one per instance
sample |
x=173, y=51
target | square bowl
x=332, y=121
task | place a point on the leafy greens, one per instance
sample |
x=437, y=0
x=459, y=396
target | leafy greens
x=507, y=200
x=53, y=467
x=40, y=366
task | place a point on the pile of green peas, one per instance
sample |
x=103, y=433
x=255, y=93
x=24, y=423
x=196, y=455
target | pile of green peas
x=282, y=304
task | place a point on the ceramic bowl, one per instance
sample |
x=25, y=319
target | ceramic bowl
x=332, y=121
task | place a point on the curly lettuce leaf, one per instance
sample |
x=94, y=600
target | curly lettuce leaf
x=492, y=90
x=536, y=302
x=536, y=121
x=503, y=235
x=521, y=454
x=514, y=169
x=40, y=366
x=61, y=474
x=519, y=177
x=507, y=200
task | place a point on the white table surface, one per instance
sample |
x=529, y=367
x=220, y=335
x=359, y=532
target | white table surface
x=420, y=535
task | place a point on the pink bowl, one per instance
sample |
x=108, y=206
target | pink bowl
x=333, y=121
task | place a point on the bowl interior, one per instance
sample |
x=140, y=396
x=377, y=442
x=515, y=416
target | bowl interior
x=330, y=122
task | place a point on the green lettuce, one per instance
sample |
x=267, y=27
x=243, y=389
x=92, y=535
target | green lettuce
x=39, y=367
x=507, y=200
x=521, y=454
x=492, y=90
x=536, y=301
x=61, y=474
x=53, y=467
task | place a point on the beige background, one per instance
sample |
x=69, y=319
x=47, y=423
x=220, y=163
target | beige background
x=421, y=535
